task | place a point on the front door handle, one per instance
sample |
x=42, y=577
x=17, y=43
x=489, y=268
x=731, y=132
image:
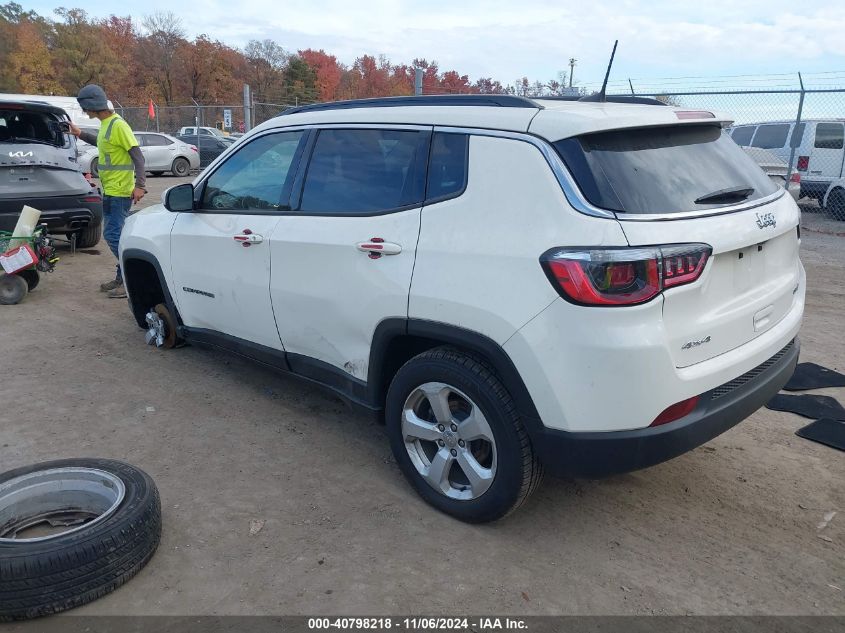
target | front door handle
x=248, y=238
x=375, y=247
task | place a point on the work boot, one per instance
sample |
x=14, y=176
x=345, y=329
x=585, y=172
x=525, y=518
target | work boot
x=110, y=285
x=118, y=291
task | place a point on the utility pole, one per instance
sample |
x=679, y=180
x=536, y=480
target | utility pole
x=572, y=62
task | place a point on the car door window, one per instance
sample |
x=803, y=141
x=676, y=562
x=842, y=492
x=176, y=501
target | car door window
x=771, y=136
x=256, y=177
x=156, y=140
x=142, y=139
x=365, y=171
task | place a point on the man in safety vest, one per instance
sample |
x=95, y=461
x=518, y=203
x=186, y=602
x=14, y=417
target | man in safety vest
x=121, y=169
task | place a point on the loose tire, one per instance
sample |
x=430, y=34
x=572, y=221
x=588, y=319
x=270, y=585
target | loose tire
x=180, y=167
x=95, y=167
x=41, y=575
x=457, y=437
x=836, y=204
x=89, y=236
x=13, y=289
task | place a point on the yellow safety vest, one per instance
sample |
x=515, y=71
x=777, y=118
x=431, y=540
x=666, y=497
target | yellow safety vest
x=117, y=173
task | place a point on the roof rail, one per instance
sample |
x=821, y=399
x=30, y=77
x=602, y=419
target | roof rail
x=500, y=101
x=610, y=99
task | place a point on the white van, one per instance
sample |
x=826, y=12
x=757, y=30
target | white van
x=819, y=148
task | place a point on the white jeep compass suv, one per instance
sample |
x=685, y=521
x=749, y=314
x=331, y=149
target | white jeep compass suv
x=515, y=285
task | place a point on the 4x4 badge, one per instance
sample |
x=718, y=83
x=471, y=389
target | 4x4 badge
x=767, y=219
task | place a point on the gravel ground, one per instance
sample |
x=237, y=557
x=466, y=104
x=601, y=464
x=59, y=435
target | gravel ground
x=729, y=528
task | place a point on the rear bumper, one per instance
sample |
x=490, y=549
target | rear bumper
x=595, y=455
x=60, y=214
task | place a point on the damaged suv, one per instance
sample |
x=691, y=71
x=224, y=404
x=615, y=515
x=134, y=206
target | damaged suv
x=39, y=168
x=515, y=285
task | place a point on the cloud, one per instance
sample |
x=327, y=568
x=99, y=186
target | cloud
x=509, y=39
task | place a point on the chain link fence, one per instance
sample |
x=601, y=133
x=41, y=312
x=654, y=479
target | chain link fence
x=169, y=119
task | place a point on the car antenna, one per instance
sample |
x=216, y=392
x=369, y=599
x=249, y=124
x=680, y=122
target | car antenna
x=602, y=95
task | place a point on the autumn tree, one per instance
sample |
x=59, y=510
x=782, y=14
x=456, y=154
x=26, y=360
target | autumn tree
x=31, y=62
x=208, y=70
x=158, y=50
x=327, y=70
x=266, y=62
x=81, y=53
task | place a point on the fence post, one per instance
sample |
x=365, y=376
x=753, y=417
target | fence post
x=794, y=141
x=247, y=109
x=197, y=127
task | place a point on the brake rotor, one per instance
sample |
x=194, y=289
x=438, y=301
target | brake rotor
x=161, y=327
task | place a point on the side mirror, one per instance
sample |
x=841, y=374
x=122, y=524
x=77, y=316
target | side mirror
x=179, y=198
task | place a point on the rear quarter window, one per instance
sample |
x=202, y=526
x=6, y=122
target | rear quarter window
x=661, y=170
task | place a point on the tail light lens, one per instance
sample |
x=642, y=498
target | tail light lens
x=194, y=147
x=796, y=178
x=623, y=276
x=92, y=199
x=803, y=163
x=676, y=411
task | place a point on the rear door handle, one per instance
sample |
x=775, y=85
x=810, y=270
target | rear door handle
x=248, y=238
x=376, y=247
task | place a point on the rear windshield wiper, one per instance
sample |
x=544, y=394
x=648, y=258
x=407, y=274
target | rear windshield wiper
x=733, y=194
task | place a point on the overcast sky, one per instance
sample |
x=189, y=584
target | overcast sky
x=507, y=40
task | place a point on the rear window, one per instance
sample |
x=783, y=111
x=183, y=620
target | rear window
x=22, y=126
x=663, y=169
x=771, y=136
x=829, y=136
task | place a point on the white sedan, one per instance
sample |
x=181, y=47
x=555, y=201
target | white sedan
x=162, y=153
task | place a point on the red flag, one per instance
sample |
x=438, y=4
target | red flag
x=152, y=110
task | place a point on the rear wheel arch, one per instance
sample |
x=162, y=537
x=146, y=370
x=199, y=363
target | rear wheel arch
x=396, y=341
x=145, y=285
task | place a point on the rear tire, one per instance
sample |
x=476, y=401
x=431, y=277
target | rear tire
x=458, y=438
x=836, y=204
x=13, y=289
x=89, y=236
x=181, y=167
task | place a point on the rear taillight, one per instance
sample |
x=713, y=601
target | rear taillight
x=676, y=411
x=803, y=163
x=622, y=276
x=92, y=199
x=796, y=178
